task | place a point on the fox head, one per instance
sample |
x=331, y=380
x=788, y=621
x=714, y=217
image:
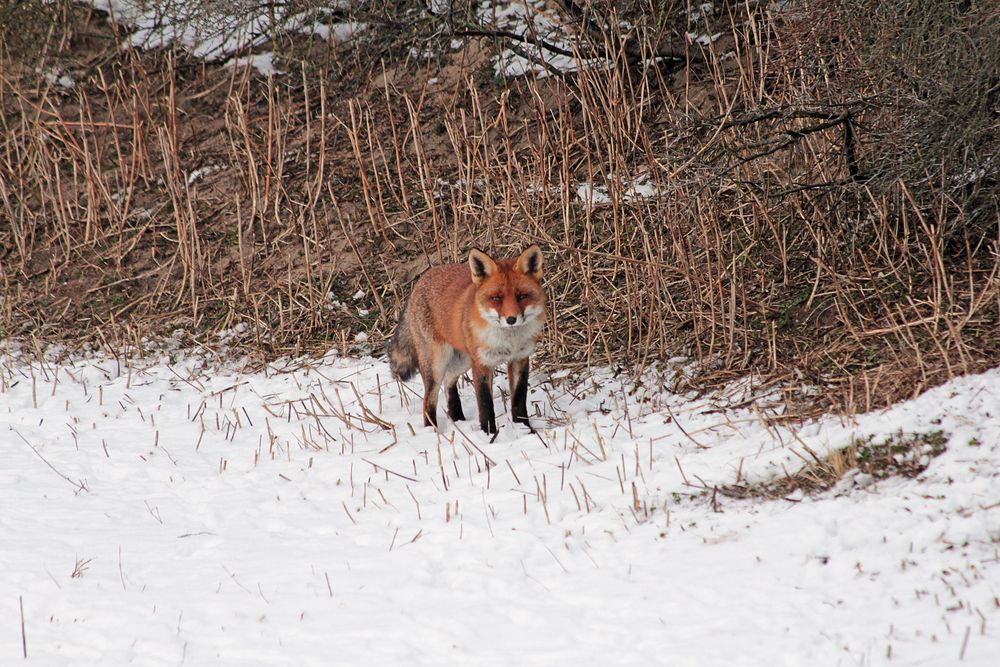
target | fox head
x=508, y=291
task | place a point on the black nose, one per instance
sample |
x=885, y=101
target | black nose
x=511, y=320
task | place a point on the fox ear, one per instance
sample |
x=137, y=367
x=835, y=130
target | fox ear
x=482, y=265
x=530, y=262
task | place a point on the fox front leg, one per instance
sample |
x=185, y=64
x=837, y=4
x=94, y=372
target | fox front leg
x=517, y=374
x=483, y=379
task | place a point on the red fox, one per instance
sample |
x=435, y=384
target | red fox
x=477, y=316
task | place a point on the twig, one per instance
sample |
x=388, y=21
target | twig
x=489, y=461
x=686, y=434
x=391, y=472
x=24, y=637
x=80, y=485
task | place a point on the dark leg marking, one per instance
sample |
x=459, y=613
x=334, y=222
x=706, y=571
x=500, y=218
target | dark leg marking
x=518, y=373
x=484, y=398
x=455, y=404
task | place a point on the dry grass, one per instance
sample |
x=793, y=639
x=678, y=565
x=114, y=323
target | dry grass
x=818, y=217
x=905, y=454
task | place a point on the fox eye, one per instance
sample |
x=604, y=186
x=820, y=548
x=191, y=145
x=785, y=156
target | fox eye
x=523, y=296
x=496, y=298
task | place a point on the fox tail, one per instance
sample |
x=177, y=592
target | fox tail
x=401, y=350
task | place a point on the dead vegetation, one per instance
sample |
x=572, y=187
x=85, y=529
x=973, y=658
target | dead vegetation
x=903, y=454
x=810, y=194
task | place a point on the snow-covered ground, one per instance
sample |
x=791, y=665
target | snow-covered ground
x=156, y=513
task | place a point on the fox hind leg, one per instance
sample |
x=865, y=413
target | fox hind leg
x=432, y=387
x=445, y=365
x=458, y=364
x=432, y=367
x=454, y=402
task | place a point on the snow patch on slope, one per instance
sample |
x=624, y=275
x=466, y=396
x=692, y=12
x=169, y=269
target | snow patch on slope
x=214, y=32
x=534, y=21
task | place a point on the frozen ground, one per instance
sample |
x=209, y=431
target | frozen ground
x=157, y=513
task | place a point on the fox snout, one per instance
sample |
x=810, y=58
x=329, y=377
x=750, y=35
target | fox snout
x=515, y=319
x=511, y=320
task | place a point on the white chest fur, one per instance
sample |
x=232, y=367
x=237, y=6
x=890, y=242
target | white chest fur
x=501, y=345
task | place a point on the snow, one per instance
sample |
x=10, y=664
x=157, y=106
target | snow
x=215, y=32
x=637, y=189
x=338, y=33
x=532, y=20
x=60, y=79
x=194, y=26
x=440, y=7
x=262, y=62
x=703, y=40
x=202, y=172
x=592, y=194
x=700, y=11
x=176, y=511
